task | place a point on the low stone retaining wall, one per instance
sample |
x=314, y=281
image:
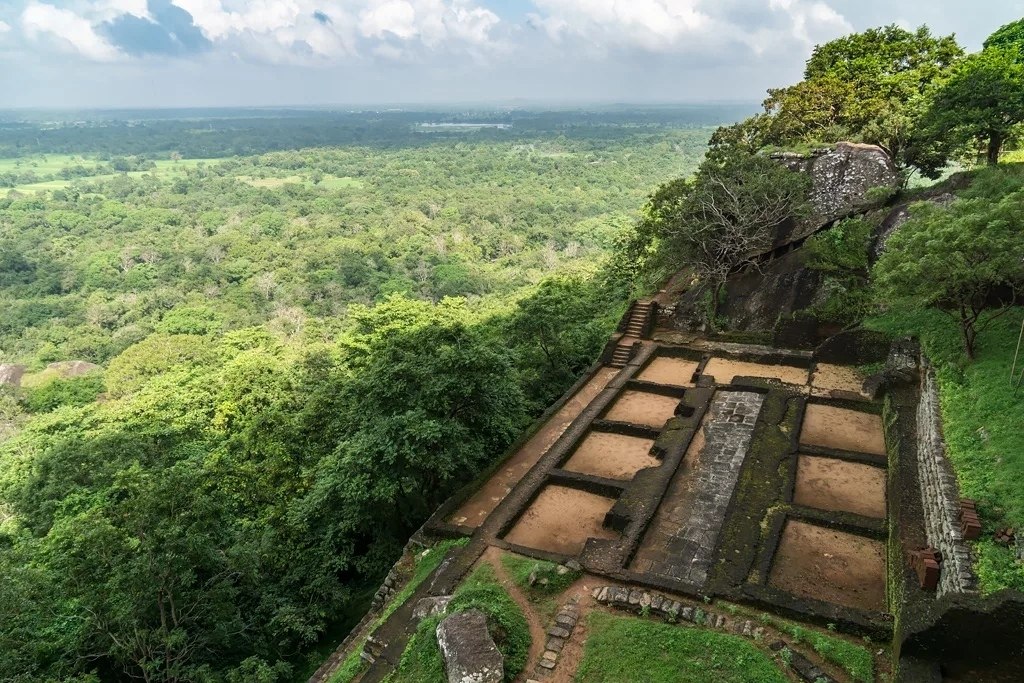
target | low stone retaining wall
x=939, y=492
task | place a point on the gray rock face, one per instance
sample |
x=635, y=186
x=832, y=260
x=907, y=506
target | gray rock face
x=470, y=655
x=841, y=176
x=10, y=375
x=895, y=220
x=428, y=607
x=72, y=368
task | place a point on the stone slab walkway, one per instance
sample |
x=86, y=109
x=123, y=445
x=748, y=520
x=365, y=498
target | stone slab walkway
x=681, y=540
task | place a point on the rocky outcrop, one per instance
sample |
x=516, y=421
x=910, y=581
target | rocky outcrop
x=10, y=374
x=895, y=220
x=72, y=368
x=470, y=655
x=428, y=607
x=842, y=177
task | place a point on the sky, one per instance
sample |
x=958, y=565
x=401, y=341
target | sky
x=198, y=53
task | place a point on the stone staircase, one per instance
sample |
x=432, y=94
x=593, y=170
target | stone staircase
x=635, y=326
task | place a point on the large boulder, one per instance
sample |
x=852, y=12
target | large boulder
x=10, y=374
x=841, y=177
x=470, y=655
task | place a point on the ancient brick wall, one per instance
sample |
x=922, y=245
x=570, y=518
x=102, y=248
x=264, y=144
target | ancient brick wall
x=939, y=493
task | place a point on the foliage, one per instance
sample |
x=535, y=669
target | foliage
x=854, y=659
x=421, y=661
x=982, y=104
x=841, y=253
x=868, y=87
x=551, y=578
x=630, y=649
x=75, y=391
x=963, y=259
x=1010, y=35
x=723, y=217
x=981, y=419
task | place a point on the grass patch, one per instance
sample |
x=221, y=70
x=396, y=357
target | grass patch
x=421, y=660
x=621, y=649
x=982, y=425
x=426, y=563
x=854, y=659
x=551, y=578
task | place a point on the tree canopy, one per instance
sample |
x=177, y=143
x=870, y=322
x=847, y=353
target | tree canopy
x=981, y=106
x=866, y=87
x=964, y=259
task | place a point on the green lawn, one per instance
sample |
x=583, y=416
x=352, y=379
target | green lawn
x=51, y=164
x=631, y=650
x=982, y=422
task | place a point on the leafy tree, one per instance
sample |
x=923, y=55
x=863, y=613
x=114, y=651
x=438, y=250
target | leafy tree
x=1010, y=35
x=964, y=260
x=726, y=216
x=869, y=87
x=982, y=103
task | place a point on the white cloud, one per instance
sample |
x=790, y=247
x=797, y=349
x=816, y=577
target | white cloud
x=4, y=27
x=678, y=26
x=68, y=30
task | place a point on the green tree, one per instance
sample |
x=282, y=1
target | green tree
x=964, y=260
x=1010, y=35
x=726, y=216
x=982, y=104
x=868, y=87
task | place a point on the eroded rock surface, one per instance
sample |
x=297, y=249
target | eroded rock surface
x=10, y=375
x=841, y=177
x=470, y=655
x=428, y=607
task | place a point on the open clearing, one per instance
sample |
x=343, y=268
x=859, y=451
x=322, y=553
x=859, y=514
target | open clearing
x=843, y=429
x=832, y=484
x=561, y=520
x=643, y=408
x=669, y=370
x=616, y=456
x=726, y=371
x=832, y=566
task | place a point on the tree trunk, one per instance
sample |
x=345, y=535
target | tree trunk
x=967, y=332
x=995, y=146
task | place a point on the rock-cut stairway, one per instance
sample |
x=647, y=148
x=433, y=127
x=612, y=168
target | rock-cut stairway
x=633, y=328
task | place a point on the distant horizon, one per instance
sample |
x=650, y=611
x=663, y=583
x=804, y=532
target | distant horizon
x=518, y=103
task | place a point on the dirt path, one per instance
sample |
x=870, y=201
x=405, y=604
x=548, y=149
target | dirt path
x=537, y=629
x=572, y=654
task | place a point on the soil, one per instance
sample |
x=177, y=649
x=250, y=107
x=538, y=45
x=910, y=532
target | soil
x=832, y=566
x=669, y=370
x=492, y=556
x=561, y=520
x=475, y=510
x=726, y=371
x=837, y=378
x=642, y=408
x=844, y=429
x=831, y=484
x=615, y=456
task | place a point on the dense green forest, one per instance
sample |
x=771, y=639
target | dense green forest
x=300, y=354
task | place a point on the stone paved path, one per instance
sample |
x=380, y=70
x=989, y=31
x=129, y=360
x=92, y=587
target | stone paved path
x=681, y=540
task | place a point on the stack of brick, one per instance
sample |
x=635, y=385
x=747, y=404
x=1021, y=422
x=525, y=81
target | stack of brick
x=970, y=524
x=926, y=564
